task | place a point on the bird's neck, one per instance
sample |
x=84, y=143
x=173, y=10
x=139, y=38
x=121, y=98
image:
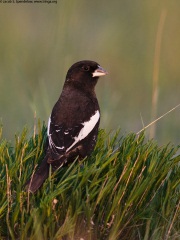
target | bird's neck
x=87, y=89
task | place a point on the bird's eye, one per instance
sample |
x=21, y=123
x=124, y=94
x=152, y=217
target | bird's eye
x=85, y=68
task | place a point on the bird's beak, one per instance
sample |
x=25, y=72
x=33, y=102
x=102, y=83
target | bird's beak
x=99, y=72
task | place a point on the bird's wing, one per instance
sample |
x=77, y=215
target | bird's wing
x=62, y=139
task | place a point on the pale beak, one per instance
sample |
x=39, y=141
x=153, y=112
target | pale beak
x=99, y=72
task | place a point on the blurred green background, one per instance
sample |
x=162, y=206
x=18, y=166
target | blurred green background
x=39, y=42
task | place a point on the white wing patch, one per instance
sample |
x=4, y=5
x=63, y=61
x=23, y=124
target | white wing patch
x=88, y=127
x=49, y=123
x=51, y=143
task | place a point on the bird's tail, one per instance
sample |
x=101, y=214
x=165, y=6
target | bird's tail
x=38, y=178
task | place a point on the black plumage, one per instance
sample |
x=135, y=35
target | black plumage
x=74, y=121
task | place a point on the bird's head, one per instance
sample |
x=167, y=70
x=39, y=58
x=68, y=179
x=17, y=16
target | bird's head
x=84, y=74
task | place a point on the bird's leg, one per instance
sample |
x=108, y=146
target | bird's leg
x=64, y=159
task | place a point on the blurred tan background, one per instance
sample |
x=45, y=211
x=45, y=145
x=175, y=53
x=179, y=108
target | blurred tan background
x=39, y=42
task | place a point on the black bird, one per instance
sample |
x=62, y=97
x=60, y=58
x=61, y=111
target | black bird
x=74, y=121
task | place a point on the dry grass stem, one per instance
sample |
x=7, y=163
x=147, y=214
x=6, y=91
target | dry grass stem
x=156, y=70
x=150, y=124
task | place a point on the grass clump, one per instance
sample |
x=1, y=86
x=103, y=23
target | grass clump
x=128, y=188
